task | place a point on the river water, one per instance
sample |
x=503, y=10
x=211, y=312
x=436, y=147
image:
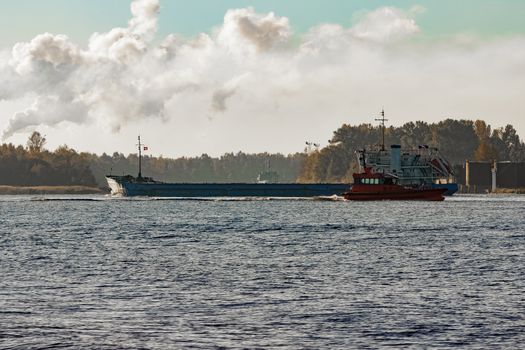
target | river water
x=95, y=272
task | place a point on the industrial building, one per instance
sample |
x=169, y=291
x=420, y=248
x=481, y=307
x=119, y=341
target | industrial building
x=481, y=177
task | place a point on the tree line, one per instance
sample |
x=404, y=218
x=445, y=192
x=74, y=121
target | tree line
x=33, y=165
x=458, y=140
x=229, y=168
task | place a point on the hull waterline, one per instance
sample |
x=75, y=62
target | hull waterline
x=416, y=195
x=129, y=187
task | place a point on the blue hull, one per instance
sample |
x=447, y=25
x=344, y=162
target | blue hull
x=451, y=188
x=228, y=190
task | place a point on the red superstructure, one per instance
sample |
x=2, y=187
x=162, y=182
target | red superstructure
x=369, y=186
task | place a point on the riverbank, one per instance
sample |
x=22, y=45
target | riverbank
x=509, y=191
x=16, y=190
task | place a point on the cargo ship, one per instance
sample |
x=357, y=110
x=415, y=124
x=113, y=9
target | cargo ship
x=128, y=185
x=410, y=170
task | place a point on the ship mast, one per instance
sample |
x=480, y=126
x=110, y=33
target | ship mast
x=382, y=120
x=140, y=159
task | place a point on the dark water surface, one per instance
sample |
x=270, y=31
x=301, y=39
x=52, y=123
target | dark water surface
x=161, y=274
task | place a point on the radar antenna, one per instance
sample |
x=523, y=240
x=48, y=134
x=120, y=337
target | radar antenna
x=382, y=120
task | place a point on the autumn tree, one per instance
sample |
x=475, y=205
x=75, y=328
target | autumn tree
x=36, y=142
x=485, y=151
x=457, y=140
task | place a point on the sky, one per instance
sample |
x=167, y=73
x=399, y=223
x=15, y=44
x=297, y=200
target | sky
x=211, y=77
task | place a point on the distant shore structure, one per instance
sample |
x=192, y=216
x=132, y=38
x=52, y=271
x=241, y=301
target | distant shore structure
x=503, y=176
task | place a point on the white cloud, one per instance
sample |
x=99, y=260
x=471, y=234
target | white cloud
x=144, y=20
x=385, y=24
x=250, y=78
x=48, y=110
x=244, y=28
x=128, y=45
x=55, y=51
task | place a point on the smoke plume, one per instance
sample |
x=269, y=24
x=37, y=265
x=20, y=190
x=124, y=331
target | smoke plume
x=254, y=67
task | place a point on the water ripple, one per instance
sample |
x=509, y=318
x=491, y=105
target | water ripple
x=94, y=272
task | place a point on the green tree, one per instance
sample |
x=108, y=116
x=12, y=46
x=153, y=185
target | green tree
x=515, y=148
x=456, y=139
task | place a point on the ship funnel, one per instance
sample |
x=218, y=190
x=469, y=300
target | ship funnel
x=395, y=159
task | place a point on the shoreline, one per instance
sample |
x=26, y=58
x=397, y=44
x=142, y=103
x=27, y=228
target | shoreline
x=509, y=191
x=31, y=190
